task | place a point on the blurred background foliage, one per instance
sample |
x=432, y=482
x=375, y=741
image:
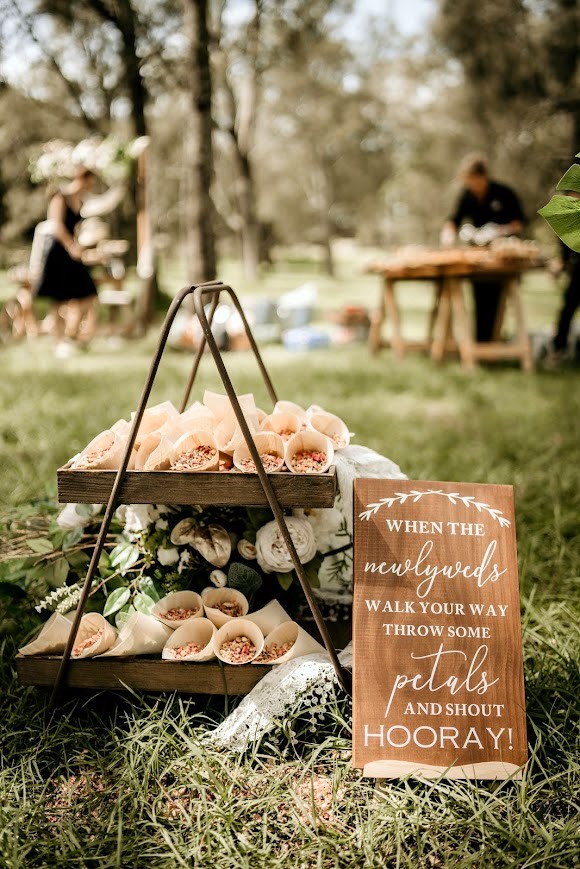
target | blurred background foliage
x=325, y=124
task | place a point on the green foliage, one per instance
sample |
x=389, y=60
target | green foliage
x=244, y=579
x=563, y=212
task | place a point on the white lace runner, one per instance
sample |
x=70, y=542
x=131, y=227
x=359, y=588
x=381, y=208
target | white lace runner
x=308, y=681
x=304, y=682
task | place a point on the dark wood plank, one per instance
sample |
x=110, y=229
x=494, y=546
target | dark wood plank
x=143, y=674
x=215, y=488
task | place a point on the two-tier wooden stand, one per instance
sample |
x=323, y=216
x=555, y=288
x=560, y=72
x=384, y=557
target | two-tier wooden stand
x=218, y=488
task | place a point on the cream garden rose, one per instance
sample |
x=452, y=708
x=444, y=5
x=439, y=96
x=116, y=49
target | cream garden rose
x=271, y=551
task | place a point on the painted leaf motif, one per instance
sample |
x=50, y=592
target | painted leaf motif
x=213, y=543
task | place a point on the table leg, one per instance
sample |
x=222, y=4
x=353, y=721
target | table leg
x=392, y=310
x=442, y=323
x=378, y=318
x=500, y=314
x=465, y=336
x=522, y=337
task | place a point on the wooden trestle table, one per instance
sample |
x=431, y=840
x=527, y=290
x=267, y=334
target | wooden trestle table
x=450, y=328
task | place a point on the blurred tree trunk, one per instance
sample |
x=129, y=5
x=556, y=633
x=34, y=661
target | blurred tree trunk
x=241, y=106
x=201, y=244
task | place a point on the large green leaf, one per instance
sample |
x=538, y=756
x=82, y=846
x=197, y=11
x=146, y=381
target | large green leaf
x=563, y=215
x=570, y=180
x=143, y=603
x=116, y=600
x=40, y=545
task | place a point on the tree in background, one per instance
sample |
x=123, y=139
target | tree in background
x=201, y=259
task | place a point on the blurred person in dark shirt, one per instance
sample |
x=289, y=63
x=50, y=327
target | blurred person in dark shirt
x=492, y=210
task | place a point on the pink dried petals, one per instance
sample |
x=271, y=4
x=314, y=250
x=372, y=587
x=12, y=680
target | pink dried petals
x=190, y=648
x=178, y=614
x=308, y=461
x=240, y=650
x=86, y=644
x=191, y=460
x=286, y=433
x=270, y=461
x=273, y=652
x=230, y=608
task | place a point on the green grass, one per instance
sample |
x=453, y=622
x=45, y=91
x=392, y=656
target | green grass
x=127, y=782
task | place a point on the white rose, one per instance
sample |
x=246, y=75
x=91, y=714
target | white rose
x=271, y=551
x=219, y=578
x=167, y=556
x=246, y=549
x=138, y=517
x=325, y=523
x=70, y=518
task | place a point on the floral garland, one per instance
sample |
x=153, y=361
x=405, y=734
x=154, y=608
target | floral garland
x=155, y=549
x=107, y=157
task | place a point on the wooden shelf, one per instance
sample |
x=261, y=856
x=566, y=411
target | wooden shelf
x=218, y=488
x=144, y=674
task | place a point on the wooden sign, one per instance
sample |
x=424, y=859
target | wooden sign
x=438, y=672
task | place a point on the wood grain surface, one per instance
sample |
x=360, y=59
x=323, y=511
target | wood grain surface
x=144, y=674
x=438, y=672
x=214, y=488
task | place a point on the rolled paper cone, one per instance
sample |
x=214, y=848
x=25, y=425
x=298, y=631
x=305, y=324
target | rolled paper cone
x=221, y=406
x=160, y=458
x=104, y=452
x=198, y=631
x=190, y=442
x=269, y=617
x=238, y=628
x=185, y=600
x=284, y=424
x=229, y=435
x=333, y=427
x=199, y=411
x=225, y=462
x=290, y=632
x=140, y=635
x=289, y=407
x=260, y=415
x=93, y=625
x=314, y=408
x=267, y=443
x=121, y=427
x=153, y=419
x=148, y=445
x=309, y=441
x=52, y=638
x=213, y=597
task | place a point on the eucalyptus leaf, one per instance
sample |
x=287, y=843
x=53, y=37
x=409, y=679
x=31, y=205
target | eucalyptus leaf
x=124, y=615
x=72, y=537
x=116, y=600
x=563, y=215
x=40, y=545
x=149, y=588
x=285, y=580
x=143, y=603
x=61, y=568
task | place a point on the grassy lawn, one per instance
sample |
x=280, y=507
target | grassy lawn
x=127, y=782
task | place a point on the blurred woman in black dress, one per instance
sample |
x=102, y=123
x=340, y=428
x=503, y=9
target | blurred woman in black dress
x=65, y=279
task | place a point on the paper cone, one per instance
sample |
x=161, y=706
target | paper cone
x=269, y=617
x=147, y=446
x=189, y=442
x=260, y=415
x=238, y=628
x=178, y=600
x=52, y=638
x=333, y=427
x=221, y=406
x=290, y=632
x=211, y=597
x=104, y=452
x=160, y=458
x=91, y=625
x=140, y=635
x=289, y=407
x=200, y=631
x=153, y=418
x=307, y=441
x=267, y=443
x=284, y=424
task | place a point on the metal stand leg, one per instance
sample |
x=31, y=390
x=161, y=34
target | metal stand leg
x=213, y=288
